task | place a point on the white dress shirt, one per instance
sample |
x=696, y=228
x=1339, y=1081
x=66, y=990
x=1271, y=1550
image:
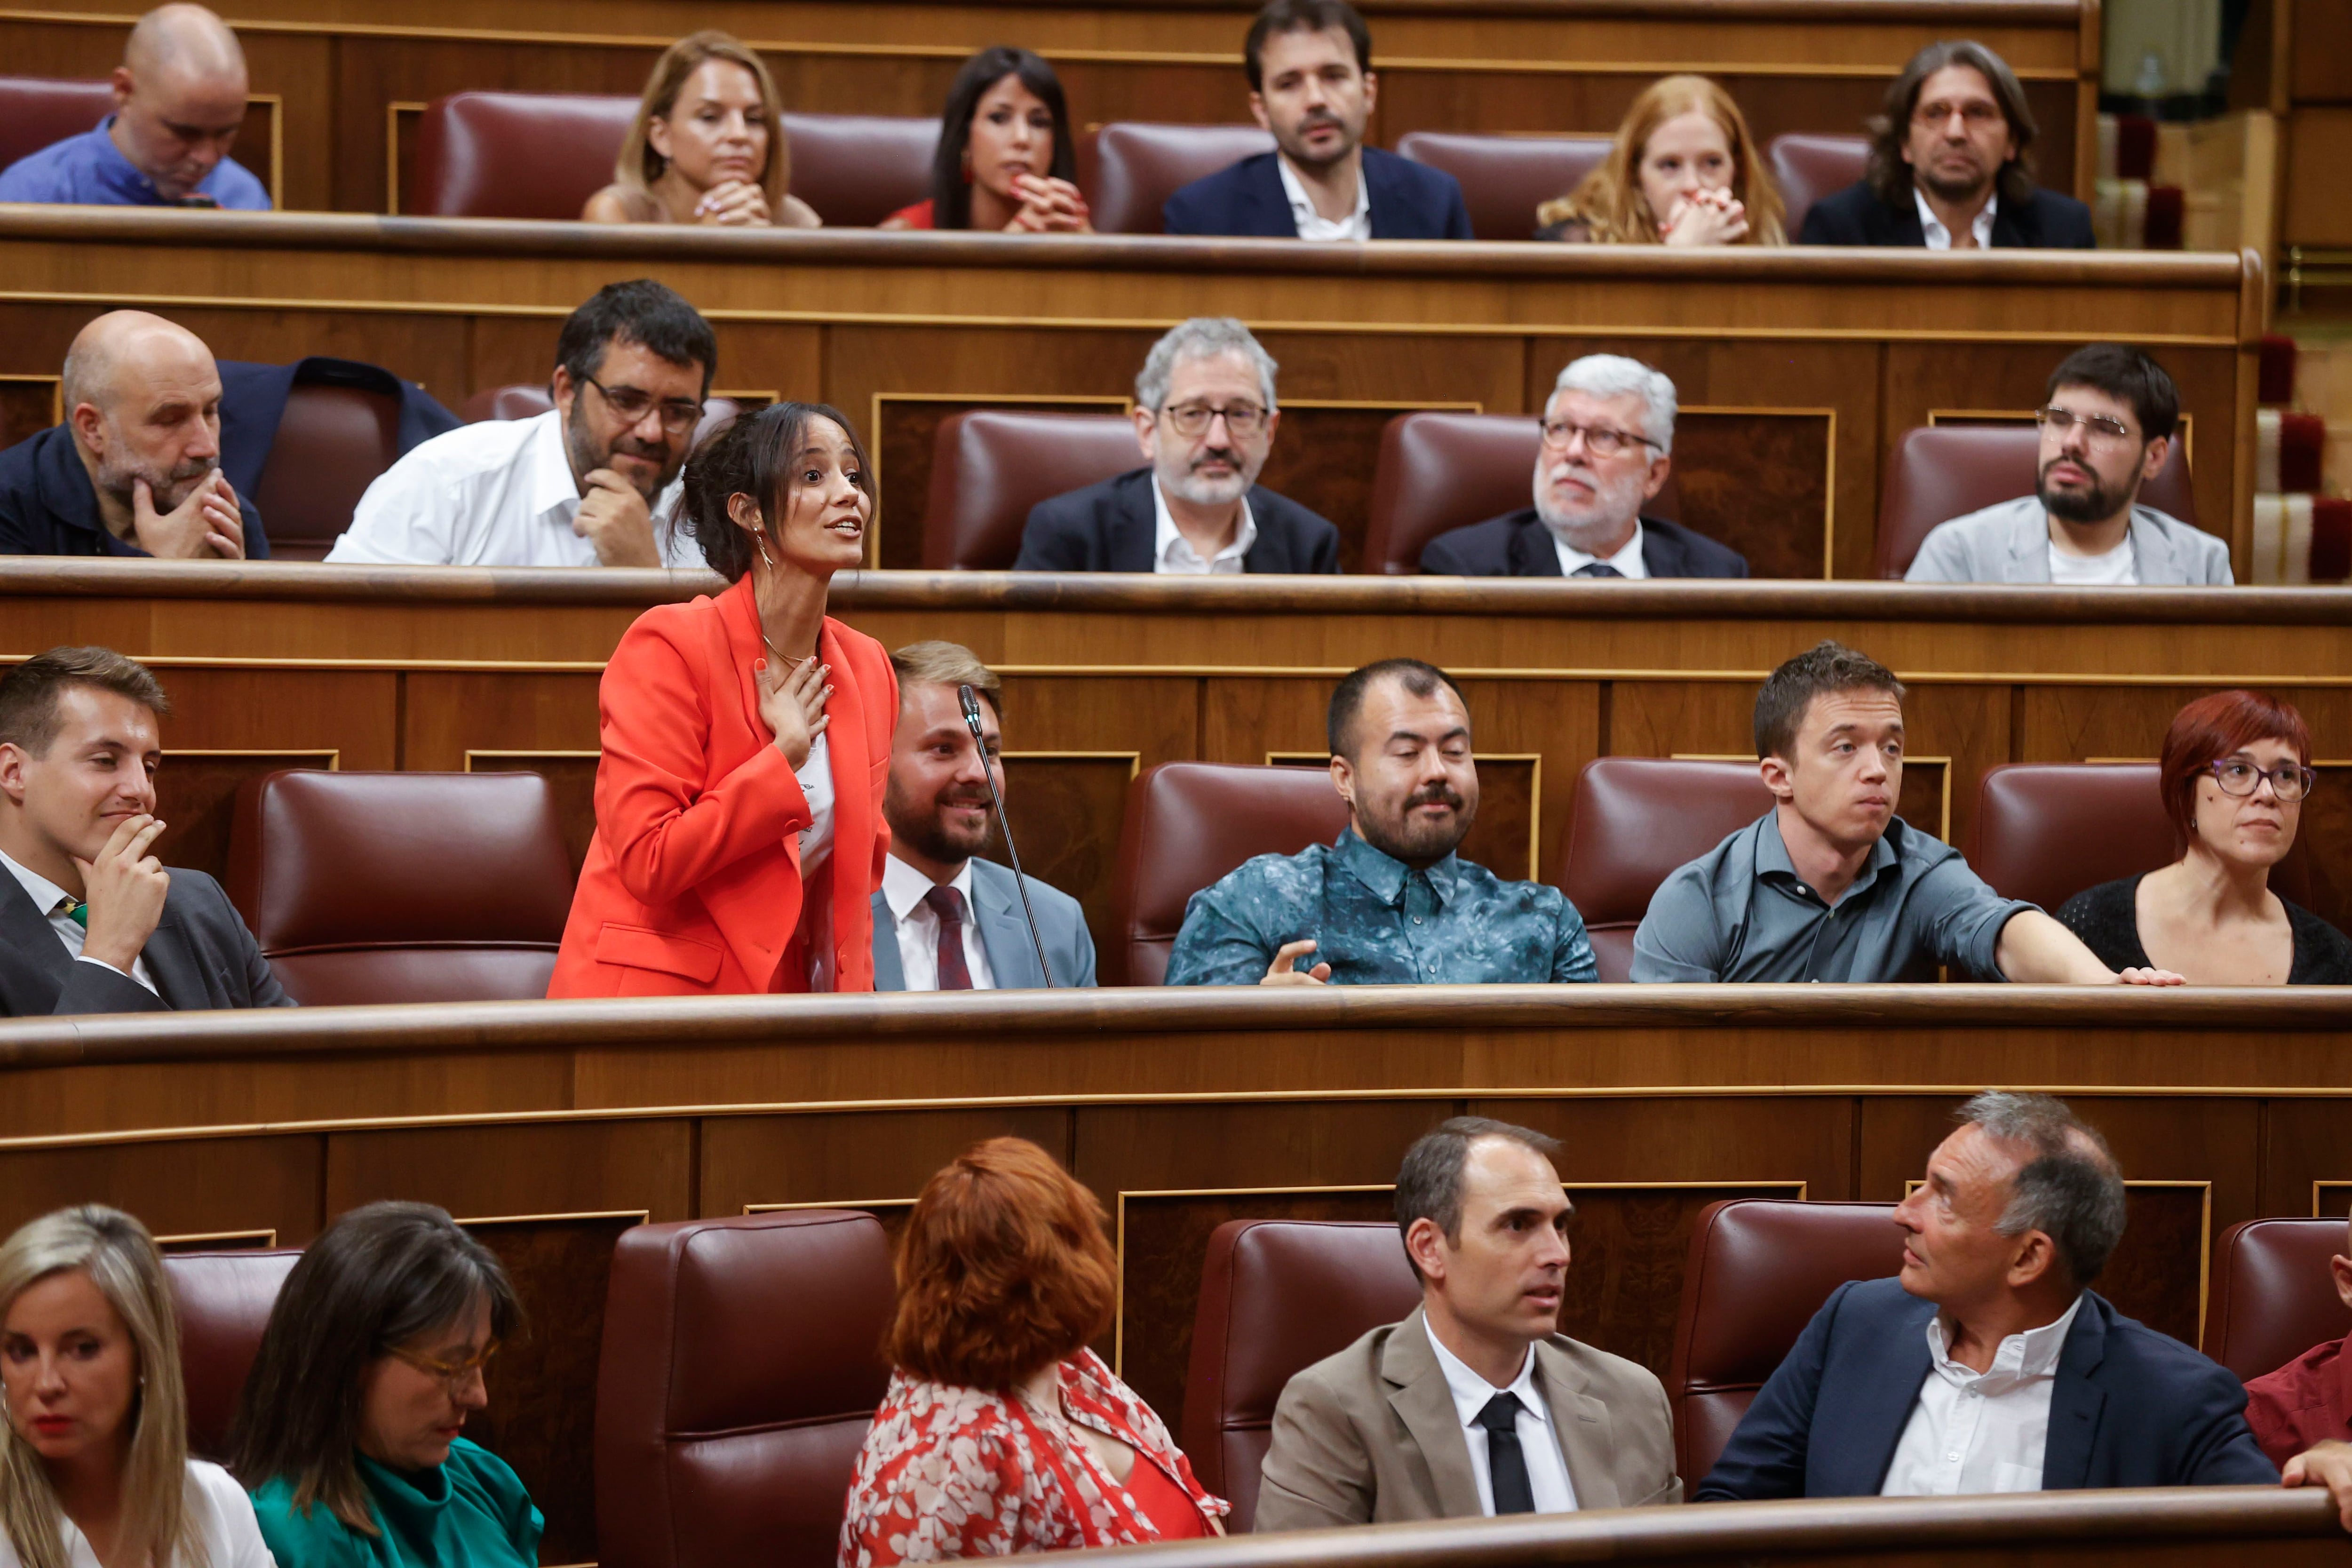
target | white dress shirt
x=2116, y=568
x=1985, y=1432
x=225, y=1520
x=496, y=493
x=1172, y=555
x=1940, y=239
x=1312, y=224
x=1548, y=1481
x=46, y=896
x=816, y=787
x=904, y=889
x=1628, y=561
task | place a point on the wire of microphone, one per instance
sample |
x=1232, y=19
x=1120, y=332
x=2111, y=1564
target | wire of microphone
x=971, y=704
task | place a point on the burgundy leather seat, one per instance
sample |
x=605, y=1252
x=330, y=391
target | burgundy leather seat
x=1130, y=168
x=401, y=887
x=224, y=1300
x=741, y=1370
x=857, y=169
x=989, y=466
x=36, y=112
x=1760, y=1268
x=1633, y=820
x=1276, y=1297
x=1938, y=472
x=1505, y=178
x=1807, y=167
x=332, y=444
x=515, y=402
x=2274, y=1297
x=1186, y=825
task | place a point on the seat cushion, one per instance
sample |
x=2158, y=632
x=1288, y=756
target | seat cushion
x=2274, y=1295
x=515, y=155
x=224, y=1300
x=1807, y=167
x=38, y=112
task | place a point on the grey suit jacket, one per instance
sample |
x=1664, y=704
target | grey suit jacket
x=1371, y=1436
x=1003, y=934
x=2010, y=543
x=201, y=957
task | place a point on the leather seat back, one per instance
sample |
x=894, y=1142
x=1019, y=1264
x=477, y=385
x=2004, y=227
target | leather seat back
x=1633, y=821
x=740, y=1371
x=857, y=169
x=516, y=402
x=2273, y=1296
x=38, y=112
x=989, y=466
x=1130, y=168
x=224, y=1300
x=331, y=443
x=1505, y=178
x=515, y=155
x=1938, y=472
x=1807, y=167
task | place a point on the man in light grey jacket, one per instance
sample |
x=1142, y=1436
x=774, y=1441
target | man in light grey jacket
x=2107, y=425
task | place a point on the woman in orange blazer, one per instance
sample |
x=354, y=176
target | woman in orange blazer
x=747, y=742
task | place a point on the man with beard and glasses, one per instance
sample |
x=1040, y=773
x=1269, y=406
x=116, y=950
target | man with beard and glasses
x=135, y=468
x=1390, y=903
x=592, y=482
x=946, y=920
x=1205, y=416
x=2107, y=421
x=1607, y=440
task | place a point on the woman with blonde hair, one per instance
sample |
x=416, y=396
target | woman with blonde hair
x=708, y=144
x=1684, y=171
x=95, y=1468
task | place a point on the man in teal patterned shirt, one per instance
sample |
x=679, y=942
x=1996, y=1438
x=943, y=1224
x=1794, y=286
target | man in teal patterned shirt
x=1391, y=904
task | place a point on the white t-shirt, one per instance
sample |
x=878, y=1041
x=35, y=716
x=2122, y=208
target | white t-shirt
x=816, y=784
x=2115, y=569
x=224, y=1516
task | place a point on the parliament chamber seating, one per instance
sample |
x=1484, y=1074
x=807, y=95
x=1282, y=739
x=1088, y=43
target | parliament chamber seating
x=37, y=110
x=1632, y=822
x=331, y=443
x=1130, y=168
x=2273, y=1296
x=1938, y=472
x=737, y=1379
x=1760, y=1268
x=1276, y=1297
x=401, y=887
x=521, y=401
x=1806, y=167
x=989, y=466
x=224, y=1300
x=1505, y=178
x=1186, y=825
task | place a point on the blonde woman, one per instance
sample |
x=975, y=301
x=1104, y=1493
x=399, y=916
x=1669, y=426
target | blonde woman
x=708, y=145
x=96, y=1468
x=1684, y=171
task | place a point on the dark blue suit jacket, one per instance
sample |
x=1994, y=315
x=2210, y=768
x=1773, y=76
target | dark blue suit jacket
x=48, y=507
x=253, y=401
x=2130, y=1408
x=1410, y=200
x=1856, y=215
x=1113, y=527
x=1517, y=544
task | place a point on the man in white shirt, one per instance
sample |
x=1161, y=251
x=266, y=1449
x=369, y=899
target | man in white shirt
x=1500, y=1413
x=595, y=482
x=946, y=920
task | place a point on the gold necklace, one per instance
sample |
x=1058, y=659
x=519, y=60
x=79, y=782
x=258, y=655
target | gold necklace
x=790, y=664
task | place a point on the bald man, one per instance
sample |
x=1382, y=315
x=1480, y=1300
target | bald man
x=179, y=99
x=135, y=468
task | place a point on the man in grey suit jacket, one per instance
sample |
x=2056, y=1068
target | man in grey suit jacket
x=945, y=920
x=1474, y=1404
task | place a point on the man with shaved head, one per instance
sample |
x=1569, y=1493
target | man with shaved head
x=179, y=99
x=135, y=468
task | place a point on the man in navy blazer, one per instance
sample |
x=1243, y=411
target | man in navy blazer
x=1988, y=1365
x=1312, y=88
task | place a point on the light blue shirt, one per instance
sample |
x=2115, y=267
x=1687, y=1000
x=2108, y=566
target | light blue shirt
x=90, y=171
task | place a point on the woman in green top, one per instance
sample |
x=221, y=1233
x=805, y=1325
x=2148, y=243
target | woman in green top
x=347, y=1431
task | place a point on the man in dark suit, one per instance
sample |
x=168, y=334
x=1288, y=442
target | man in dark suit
x=1950, y=167
x=1609, y=434
x=1988, y=1364
x=90, y=922
x=1204, y=417
x=1312, y=88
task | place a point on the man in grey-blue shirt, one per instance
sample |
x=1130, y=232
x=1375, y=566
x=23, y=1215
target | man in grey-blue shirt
x=1831, y=884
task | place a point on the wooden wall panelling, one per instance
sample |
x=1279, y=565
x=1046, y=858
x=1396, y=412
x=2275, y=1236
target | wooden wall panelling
x=2307, y=1153
x=29, y=404
x=2319, y=142
x=285, y=709
x=451, y=713
x=562, y=1167
x=1326, y=456
x=211, y=1186
x=1067, y=809
x=1557, y=720
x=854, y=1159
x=196, y=796
x=2322, y=51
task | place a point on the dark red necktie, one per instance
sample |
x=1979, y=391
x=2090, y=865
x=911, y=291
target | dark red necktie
x=947, y=904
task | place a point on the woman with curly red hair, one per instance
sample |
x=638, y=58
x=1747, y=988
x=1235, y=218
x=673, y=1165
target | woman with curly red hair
x=1001, y=1433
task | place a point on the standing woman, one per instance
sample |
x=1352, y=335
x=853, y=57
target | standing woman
x=1006, y=158
x=708, y=145
x=94, y=1465
x=1684, y=171
x=740, y=838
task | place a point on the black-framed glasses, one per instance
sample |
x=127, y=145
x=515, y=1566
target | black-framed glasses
x=2291, y=782
x=1600, y=440
x=1191, y=420
x=2097, y=427
x=633, y=404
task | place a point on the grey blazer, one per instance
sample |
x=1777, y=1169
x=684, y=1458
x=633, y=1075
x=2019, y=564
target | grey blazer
x=1371, y=1434
x=2010, y=543
x=201, y=957
x=1003, y=934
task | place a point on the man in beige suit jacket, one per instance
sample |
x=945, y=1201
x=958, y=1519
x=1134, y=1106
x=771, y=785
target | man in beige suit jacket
x=1474, y=1404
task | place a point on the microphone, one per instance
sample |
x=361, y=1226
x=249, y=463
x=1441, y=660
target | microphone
x=971, y=704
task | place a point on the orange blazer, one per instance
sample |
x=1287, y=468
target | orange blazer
x=693, y=882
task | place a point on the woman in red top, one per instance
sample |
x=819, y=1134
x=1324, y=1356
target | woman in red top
x=1001, y=1433
x=747, y=744
x=1006, y=158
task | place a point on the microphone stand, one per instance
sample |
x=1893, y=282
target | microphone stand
x=971, y=704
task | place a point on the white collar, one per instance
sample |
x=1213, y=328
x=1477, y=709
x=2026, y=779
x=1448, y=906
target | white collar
x=904, y=887
x=1473, y=1393
x=1628, y=561
x=1165, y=539
x=2020, y=1358
x=44, y=894
x=554, y=490
x=1939, y=237
x=1302, y=206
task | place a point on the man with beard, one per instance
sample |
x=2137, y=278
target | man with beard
x=1204, y=417
x=1390, y=903
x=135, y=468
x=1608, y=439
x=2107, y=420
x=946, y=920
x=1312, y=88
x=592, y=482
x=1950, y=166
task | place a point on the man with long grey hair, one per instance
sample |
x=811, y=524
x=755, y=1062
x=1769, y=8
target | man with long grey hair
x=1205, y=420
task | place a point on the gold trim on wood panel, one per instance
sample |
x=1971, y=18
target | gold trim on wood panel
x=832, y=1204
x=473, y=753
x=277, y=101
x=1535, y=792
x=57, y=391
x=333, y=754
x=1134, y=760
x=267, y=1236
x=1829, y=469
x=640, y=1215
x=2322, y=1186
x=392, y=113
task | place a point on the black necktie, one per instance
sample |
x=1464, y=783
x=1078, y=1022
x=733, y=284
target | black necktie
x=1598, y=569
x=1507, y=1468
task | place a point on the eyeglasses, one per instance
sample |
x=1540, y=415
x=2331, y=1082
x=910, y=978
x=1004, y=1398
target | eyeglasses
x=632, y=404
x=2291, y=782
x=1975, y=112
x=1191, y=420
x=453, y=1372
x=1600, y=440
x=2102, y=430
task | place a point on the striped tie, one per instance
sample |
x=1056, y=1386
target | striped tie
x=74, y=910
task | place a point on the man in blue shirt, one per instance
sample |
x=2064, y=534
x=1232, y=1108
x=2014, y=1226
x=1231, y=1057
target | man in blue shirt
x=1391, y=904
x=179, y=100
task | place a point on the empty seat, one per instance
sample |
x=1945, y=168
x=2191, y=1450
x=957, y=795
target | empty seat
x=401, y=887
x=331, y=443
x=1807, y=167
x=1760, y=1268
x=1186, y=825
x=1130, y=168
x=224, y=1300
x=1276, y=1297
x=1939, y=472
x=36, y=112
x=2274, y=1297
x=1505, y=178
x=857, y=169
x=1633, y=821
x=515, y=402
x=989, y=466
x=740, y=1371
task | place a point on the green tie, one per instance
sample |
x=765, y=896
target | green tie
x=74, y=910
